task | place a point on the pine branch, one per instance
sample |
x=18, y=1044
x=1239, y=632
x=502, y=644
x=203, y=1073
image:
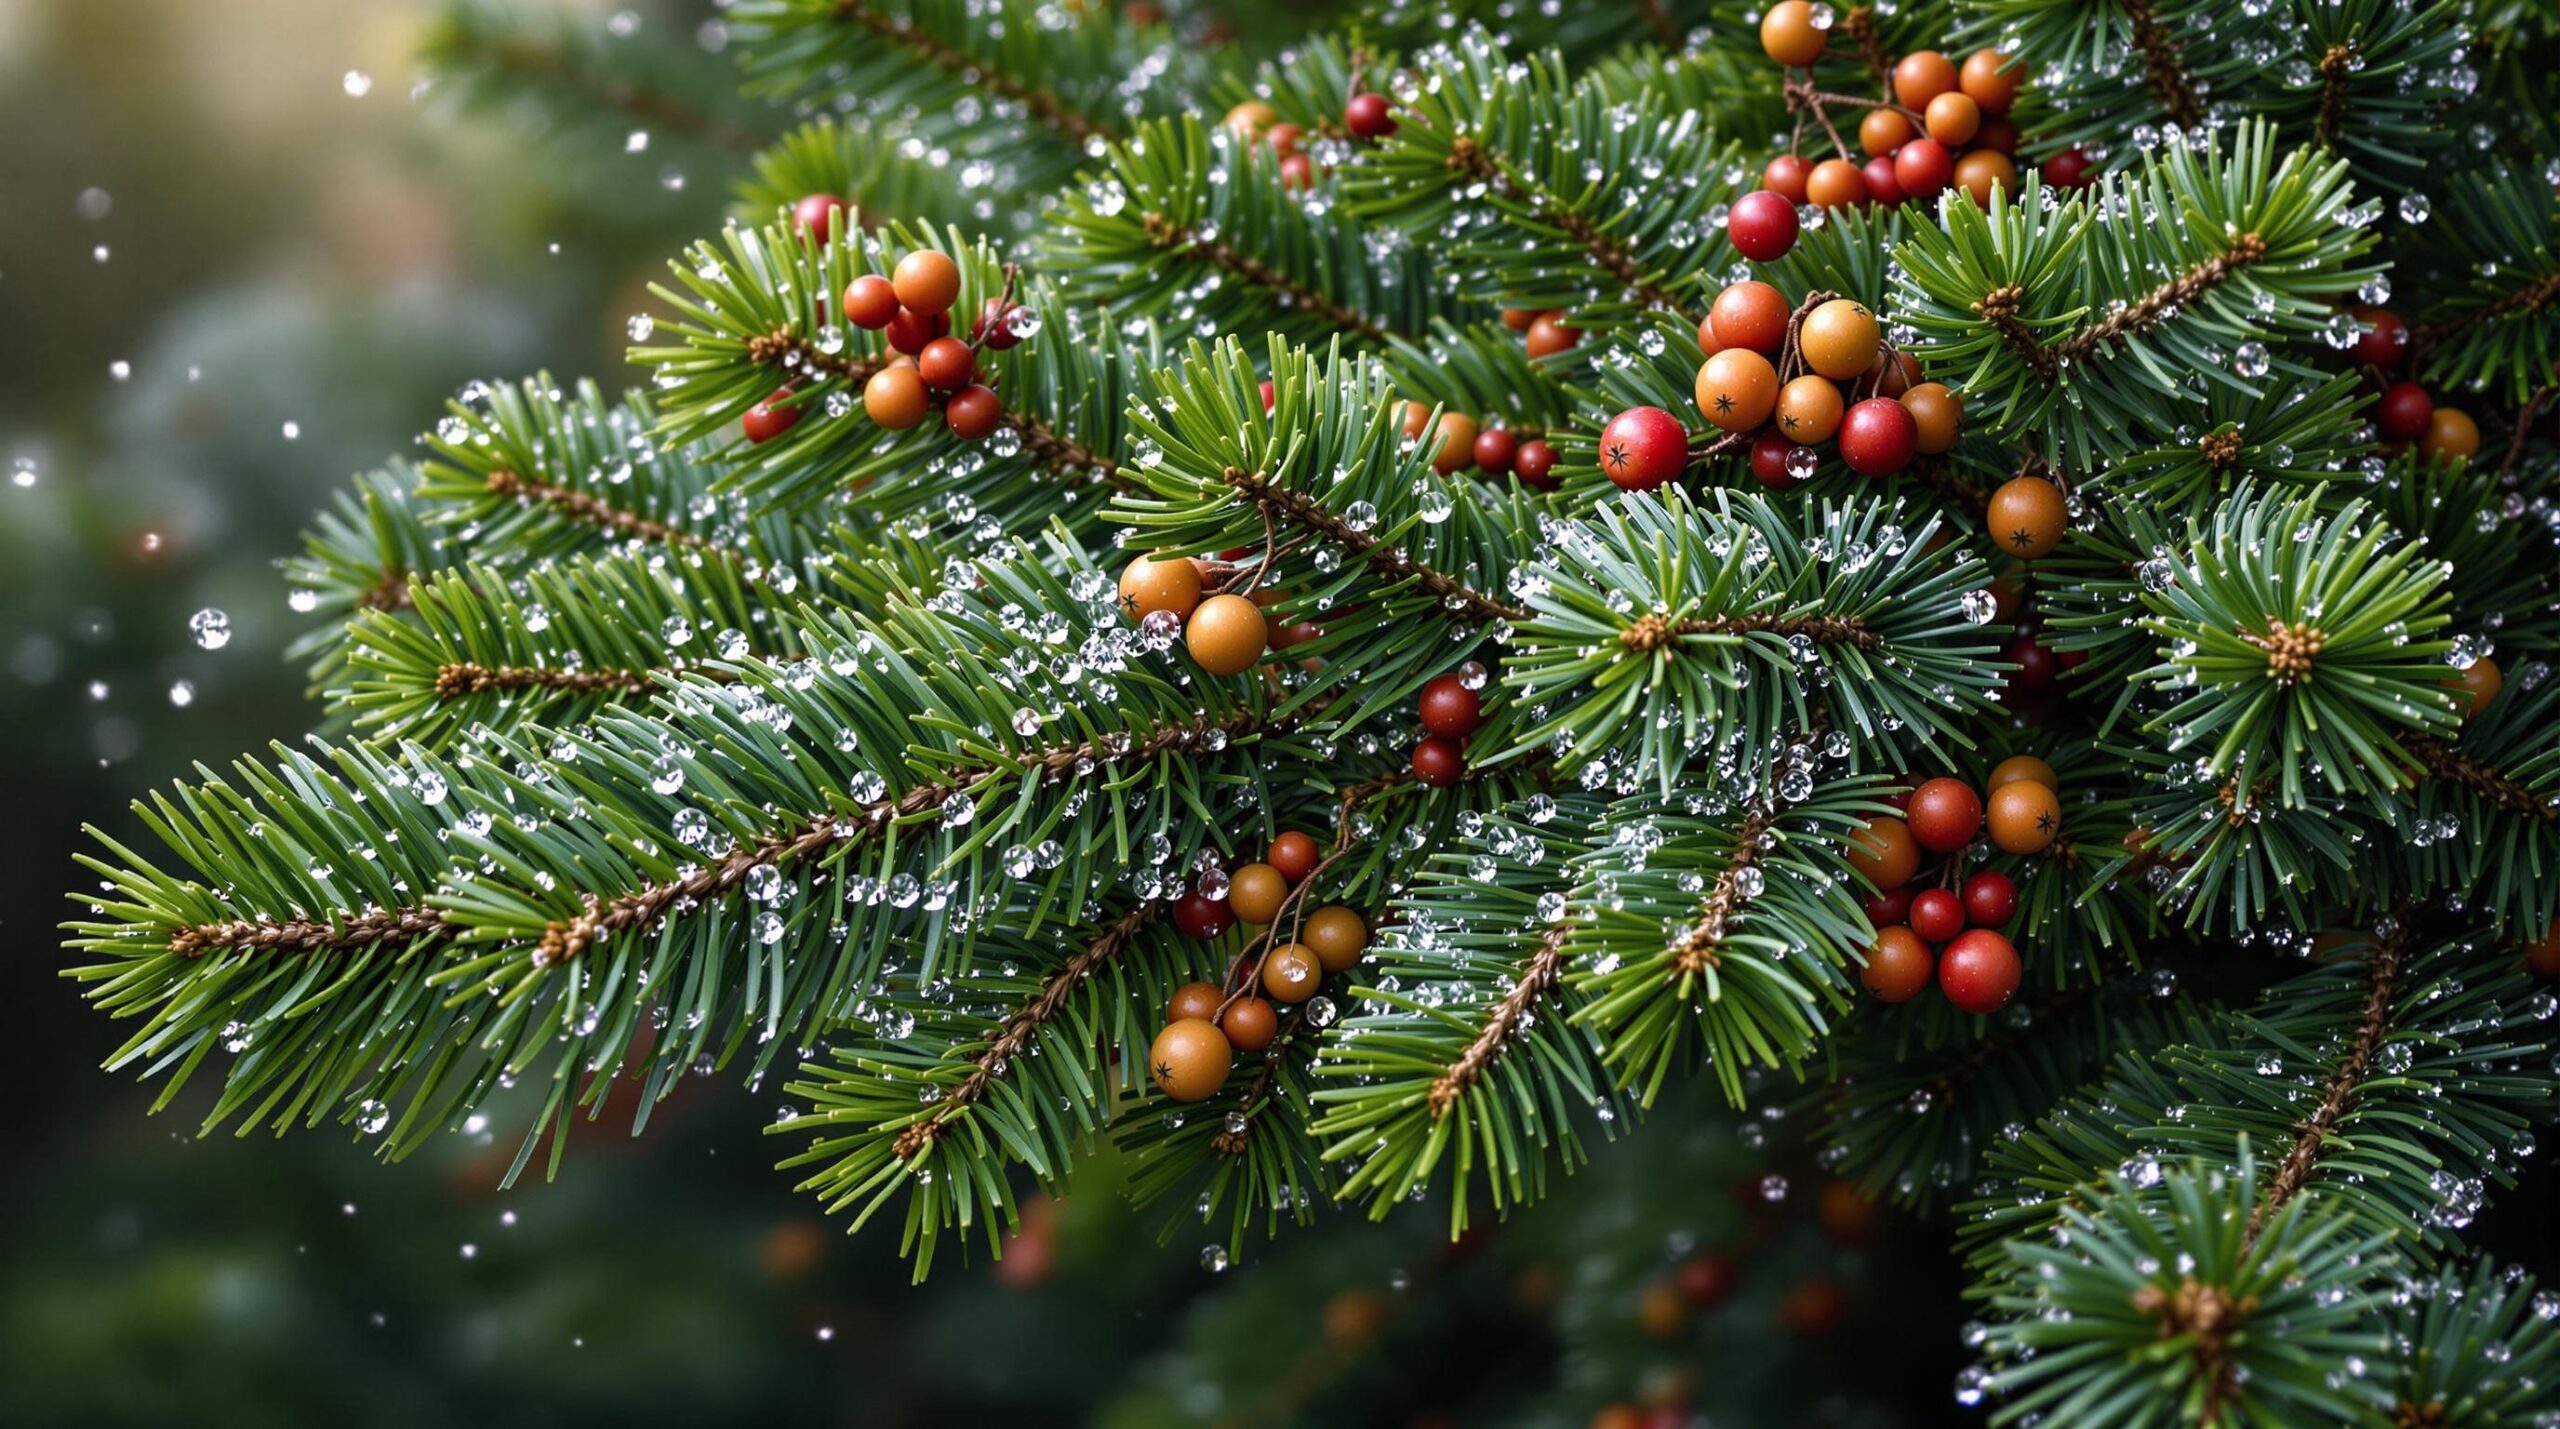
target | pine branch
x=760, y=312
x=1670, y=626
x=2163, y=66
x=1536, y=980
x=1540, y=192
x=2381, y=970
x=579, y=77
x=898, y=32
x=2202, y=259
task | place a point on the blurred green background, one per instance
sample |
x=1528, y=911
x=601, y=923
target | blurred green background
x=245, y=252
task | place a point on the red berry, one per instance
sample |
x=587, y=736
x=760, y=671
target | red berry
x=910, y=330
x=2384, y=339
x=1535, y=463
x=1450, y=708
x=1878, y=436
x=2404, y=411
x=769, y=418
x=1936, y=914
x=1979, y=971
x=1367, y=116
x=1438, y=761
x=946, y=364
x=1770, y=452
x=1643, y=447
x=1496, y=449
x=1749, y=314
x=1297, y=171
x=1762, y=226
x=1990, y=899
x=870, y=301
x=1883, y=187
x=2068, y=169
x=1945, y=815
x=1704, y=1279
x=1786, y=176
x=994, y=326
x=2037, y=668
x=1267, y=394
x=1888, y=908
x=814, y=214
x=1295, y=855
x=1923, y=168
x=973, y=413
x=1202, y=917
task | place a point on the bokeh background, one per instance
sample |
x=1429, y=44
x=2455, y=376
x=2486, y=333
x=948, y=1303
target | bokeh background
x=246, y=251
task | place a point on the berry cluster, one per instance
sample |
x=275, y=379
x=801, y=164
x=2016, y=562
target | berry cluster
x=1451, y=710
x=1364, y=116
x=912, y=309
x=1951, y=933
x=2404, y=411
x=1941, y=125
x=1206, y=1025
x=1458, y=441
x=1797, y=378
x=1225, y=633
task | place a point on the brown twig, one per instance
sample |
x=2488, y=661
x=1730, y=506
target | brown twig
x=2339, y=1090
x=1541, y=976
x=1456, y=599
x=1469, y=157
x=1163, y=233
x=2524, y=429
x=596, y=511
x=1696, y=949
x=523, y=55
x=642, y=908
x=2162, y=66
x=2533, y=297
x=1999, y=308
x=1651, y=632
x=2335, y=67
x=1043, y=105
x=376, y=928
x=1051, y=448
x=989, y=1063
x=2444, y=760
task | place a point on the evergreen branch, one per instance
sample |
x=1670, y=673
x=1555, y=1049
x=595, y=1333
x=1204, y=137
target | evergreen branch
x=1543, y=192
x=2163, y=67
x=2524, y=300
x=1537, y=979
x=2303, y=645
x=2381, y=970
x=2443, y=760
x=805, y=839
x=1019, y=1030
x=1388, y=563
x=2215, y=249
x=1163, y=234
x=759, y=319
x=1751, y=619
x=1203, y=226
x=1330, y=506
x=1999, y=308
x=899, y=32
x=579, y=78
x=1474, y=160
x=481, y=652
x=464, y=44
x=587, y=507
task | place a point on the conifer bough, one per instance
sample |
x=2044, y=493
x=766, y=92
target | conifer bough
x=825, y=750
